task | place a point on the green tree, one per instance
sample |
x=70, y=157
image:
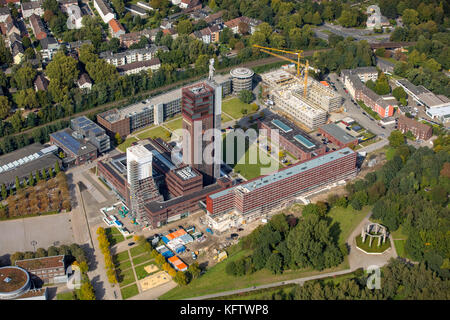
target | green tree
x=194, y=270
x=17, y=184
x=5, y=107
x=410, y=16
x=396, y=139
x=399, y=93
x=184, y=27
x=246, y=96
x=274, y=263
x=118, y=138
x=57, y=168
x=87, y=291
x=4, y=192
x=316, y=19
x=44, y=174
x=180, y=278
x=63, y=73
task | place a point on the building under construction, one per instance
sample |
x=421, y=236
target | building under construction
x=288, y=95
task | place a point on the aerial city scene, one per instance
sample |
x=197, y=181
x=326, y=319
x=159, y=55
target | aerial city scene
x=224, y=150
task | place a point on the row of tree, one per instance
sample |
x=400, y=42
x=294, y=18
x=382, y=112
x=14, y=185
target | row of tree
x=104, y=245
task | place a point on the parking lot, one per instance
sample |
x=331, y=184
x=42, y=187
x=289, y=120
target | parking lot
x=45, y=231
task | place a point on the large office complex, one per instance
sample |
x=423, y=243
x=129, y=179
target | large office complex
x=286, y=92
x=91, y=132
x=291, y=138
x=22, y=162
x=422, y=95
x=201, y=111
x=261, y=195
x=242, y=79
x=180, y=187
x=142, y=186
x=154, y=110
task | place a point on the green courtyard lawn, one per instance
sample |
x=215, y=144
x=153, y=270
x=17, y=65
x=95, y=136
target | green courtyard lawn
x=137, y=250
x=121, y=256
x=235, y=108
x=174, y=124
x=129, y=291
x=127, y=143
x=250, y=170
x=114, y=235
x=124, y=265
x=140, y=259
x=156, y=132
x=225, y=118
x=125, y=277
x=343, y=222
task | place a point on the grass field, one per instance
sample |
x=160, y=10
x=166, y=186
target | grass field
x=346, y=220
x=141, y=273
x=390, y=152
x=114, y=236
x=125, y=277
x=374, y=248
x=234, y=107
x=121, y=256
x=156, y=132
x=129, y=292
x=65, y=296
x=143, y=258
x=124, y=265
x=174, y=124
x=127, y=143
x=137, y=250
x=400, y=248
x=248, y=169
x=225, y=118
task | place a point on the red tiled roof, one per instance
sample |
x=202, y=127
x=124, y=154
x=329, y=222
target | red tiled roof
x=115, y=25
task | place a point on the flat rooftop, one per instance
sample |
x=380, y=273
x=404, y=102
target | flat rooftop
x=263, y=181
x=12, y=279
x=25, y=160
x=288, y=130
x=41, y=263
x=339, y=134
x=186, y=173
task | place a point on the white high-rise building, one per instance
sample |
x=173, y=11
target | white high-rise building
x=143, y=166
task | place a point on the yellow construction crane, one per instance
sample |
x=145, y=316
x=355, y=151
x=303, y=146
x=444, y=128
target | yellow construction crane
x=298, y=63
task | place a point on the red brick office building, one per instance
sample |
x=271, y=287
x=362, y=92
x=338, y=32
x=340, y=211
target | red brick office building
x=418, y=129
x=265, y=193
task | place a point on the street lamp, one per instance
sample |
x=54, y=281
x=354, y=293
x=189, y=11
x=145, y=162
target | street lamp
x=34, y=243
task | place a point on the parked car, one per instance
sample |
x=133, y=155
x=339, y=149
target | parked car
x=131, y=243
x=383, y=127
x=241, y=229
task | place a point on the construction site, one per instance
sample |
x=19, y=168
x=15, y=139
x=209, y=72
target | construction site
x=298, y=97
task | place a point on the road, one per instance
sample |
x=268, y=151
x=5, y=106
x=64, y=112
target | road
x=358, y=34
x=355, y=111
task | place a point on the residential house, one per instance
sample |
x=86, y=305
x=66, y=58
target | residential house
x=65, y=4
x=17, y=51
x=131, y=56
x=30, y=8
x=418, y=129
x=49, y=46
x=115, y=28
x=136, y=67
x=84, y=82
x=145, y=5
x=184, y=4
x=74, y=21
x=136, y=10
x=4, y=14
x=249, y=22
x=128, y=39
x=38, y=27
x=166, y=24
x=104, y=10
x=40, y=83
x=209, y=34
